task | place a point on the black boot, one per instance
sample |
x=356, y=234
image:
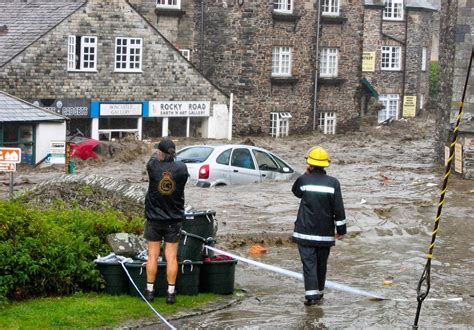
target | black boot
x=170, y=298
x=149, y=295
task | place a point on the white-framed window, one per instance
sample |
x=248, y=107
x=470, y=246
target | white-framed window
x=423, y=58
x=283, y=6
x=327, y=122
x=281, y=61
x=279, y=123
x=393, y=10
x=330, y=7
x=186, y=53
x=422, y=101
x=328, y=62
x=391, y=58
x=391, y=105
x=175, y=4
x=82, y=53
x=128, y=54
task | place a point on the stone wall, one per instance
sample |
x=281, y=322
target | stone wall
x=41, y=70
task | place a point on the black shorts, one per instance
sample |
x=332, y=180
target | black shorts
x=157, y=230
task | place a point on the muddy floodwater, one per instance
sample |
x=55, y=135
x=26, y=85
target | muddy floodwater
x=391, y=189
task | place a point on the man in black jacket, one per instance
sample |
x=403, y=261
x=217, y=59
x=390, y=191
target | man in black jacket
x=321, y=220
x=164, y=213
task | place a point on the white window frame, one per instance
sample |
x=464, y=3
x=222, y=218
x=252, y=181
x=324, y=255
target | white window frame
x=393, y=54
x=394, y=10
x=130, y=47
x=329, y=62
x=280, y=123
x=281, y=61
x=391, y=103
x=424, y=53
x=327, y=122
x=330, y=7
x=172, y=4
x=283, y=6
x=74, y=63
x=186, y=53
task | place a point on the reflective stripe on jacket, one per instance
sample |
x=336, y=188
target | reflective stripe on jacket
x=321, y=210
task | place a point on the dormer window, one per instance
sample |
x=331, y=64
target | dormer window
x=393, y=10
x=168, y=4
x=330, y=7
x=283, y=6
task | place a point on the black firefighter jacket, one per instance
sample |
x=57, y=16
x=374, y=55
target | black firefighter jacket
x=321, y=210
x=165, y=197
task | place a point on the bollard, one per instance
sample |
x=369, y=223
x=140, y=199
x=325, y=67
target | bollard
x=71, y=167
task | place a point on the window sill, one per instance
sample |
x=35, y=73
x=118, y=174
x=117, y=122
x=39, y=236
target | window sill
x=333, y=19
x=393, y=19
x=391, y=70
x=283, y=80
x=162, y=11
x=85, y=71
x=331, y=81
x=128, y=71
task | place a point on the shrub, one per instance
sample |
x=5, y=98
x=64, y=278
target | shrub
x=51, y=251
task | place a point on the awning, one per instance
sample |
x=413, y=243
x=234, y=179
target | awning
x=368, y=86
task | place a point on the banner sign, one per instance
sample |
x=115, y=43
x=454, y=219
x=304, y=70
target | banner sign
x=368, y=61
x=409, y=106
x=180, y=109
x=120, y=109
x=72, y=108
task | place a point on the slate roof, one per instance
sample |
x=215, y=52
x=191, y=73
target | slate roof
x=28, y=20
x=13, y=109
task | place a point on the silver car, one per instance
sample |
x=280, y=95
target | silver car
x=214, y=165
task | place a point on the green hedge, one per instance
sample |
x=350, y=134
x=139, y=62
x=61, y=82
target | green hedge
x=50, y=252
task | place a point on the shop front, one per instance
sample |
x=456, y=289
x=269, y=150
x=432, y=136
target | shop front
x=182, y=118
x=117, y=120
x=77, y=110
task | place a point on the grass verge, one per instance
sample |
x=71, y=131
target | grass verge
x=90, y=310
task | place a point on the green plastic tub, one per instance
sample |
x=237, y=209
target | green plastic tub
x=187, y=281
x=116, y=281
x=201, y=223
x=190, y=248
x=217, y=276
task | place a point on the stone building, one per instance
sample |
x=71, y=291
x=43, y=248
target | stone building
x=397, y=45
x=268, y=54
x=456, y=47
x=106, y=67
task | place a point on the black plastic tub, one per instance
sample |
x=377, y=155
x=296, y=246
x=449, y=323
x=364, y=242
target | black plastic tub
x=116, y=281
x=218, y=276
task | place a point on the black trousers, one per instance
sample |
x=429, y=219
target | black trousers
x=315, y=260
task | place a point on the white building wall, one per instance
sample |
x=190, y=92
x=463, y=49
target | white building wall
x=218, y=123
x=45, y=133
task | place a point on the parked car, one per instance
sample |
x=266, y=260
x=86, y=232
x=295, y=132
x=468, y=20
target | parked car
x=214, y=165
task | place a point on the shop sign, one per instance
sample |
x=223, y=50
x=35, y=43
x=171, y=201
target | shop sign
x=368, y=61
x=7, y=167
x=72, y=108
x=409, y=106
x=180, y=109
x=10, y=155
x=57, y=152
x=458, y=157
x=120, y=109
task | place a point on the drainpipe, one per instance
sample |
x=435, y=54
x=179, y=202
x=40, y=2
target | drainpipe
x=231, y=113
x=316, y=67
x=404, y=62
x=201, y=37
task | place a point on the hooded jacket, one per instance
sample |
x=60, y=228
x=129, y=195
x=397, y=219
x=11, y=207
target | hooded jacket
x=165, y=197
x=321, y=210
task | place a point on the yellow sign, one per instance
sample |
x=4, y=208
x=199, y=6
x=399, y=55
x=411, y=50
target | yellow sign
x=458, y=157
x=368, y=61
x=409, y=106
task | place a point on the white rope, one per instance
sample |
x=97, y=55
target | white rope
x=122, y=262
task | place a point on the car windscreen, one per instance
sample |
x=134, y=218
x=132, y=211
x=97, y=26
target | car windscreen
x=194, y=154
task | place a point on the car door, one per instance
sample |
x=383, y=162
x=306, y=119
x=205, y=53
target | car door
x=268, y=168
x=242, y=167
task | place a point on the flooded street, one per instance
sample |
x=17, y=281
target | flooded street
x=390, y=188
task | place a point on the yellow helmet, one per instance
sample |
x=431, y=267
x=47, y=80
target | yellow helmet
x=317, y=156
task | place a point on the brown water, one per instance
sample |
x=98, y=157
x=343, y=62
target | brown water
x=391, y=190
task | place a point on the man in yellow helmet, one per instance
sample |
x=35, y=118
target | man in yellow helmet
x=321, y=220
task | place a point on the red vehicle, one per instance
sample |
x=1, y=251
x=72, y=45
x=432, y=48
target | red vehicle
x=84, y=148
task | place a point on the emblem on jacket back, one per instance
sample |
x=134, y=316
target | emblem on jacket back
x=166, y=186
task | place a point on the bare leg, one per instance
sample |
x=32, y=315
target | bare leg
x=171, y=251
x=152, y=262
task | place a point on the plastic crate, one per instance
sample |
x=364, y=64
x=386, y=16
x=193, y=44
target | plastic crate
x=116, y=281
x=217, y=276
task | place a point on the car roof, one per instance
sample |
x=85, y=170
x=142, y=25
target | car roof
x=224, y=146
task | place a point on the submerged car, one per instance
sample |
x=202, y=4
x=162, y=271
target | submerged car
x=215, y=165
x=84, y=148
